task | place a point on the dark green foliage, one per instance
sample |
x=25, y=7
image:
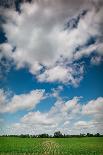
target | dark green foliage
x=57, y=134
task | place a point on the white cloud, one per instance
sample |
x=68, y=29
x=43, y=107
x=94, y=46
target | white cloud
x=40, y=41
x=2, y=96
x=20, y=102
x=83, y=125
x=69, y=117
x=54, y=74
x=37, y=118
x=96, y=60
x=96, y=48
x=93, y=107
x=7, y=50
x=59, y=116
x=90, y=126
x=70, y=75
x=56, y=92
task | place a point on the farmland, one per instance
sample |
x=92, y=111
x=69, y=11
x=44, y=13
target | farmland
x=51, y=146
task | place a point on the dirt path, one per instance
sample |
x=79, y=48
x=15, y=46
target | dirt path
x=50, y=147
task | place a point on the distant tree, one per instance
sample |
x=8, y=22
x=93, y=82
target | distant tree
x=43, y=136
x=82, y=135
x=97, y=134
x=58, y=134
x=24, y=136
x=89, y=135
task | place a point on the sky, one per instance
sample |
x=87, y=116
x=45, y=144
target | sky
x=51, y=67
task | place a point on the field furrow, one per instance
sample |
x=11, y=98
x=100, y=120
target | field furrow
x=51, y=146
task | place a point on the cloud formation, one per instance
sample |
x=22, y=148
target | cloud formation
x=37, y=39
x=50, y=38
x=70, y=117
x=19, y=102
x=62, y=74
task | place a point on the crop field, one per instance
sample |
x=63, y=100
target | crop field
x=51, y=146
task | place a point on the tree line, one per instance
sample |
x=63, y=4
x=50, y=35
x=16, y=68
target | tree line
x=57, y=134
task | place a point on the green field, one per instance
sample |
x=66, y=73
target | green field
x=51, y=146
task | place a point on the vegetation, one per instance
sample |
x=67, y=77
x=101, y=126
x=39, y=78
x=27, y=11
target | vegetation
x=57, y=134
x=51, y=146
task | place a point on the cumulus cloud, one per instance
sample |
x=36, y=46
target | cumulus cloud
x=93, y=107
x=38, y=118
x=83, y=125
x=20, y=102
x=96, y=48
x=58, y=117
x=5, y=63
x=2, y=97
x=58, y=114
x=37, y=39
x=69, y=117
x=96, y=60
x=62, y=74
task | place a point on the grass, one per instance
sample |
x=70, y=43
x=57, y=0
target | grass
x=51, y=146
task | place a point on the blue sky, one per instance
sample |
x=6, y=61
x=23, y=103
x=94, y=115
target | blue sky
x=51, y=77
x=24, y=82
x=90, y=87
